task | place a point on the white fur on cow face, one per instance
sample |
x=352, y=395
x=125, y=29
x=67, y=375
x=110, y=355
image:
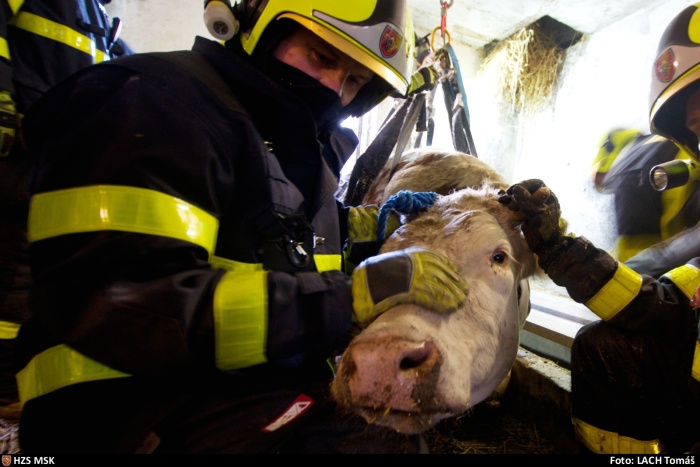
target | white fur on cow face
x=412, y=367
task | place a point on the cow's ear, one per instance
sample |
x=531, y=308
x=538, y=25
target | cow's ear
x=537, y=270
x=524, y=256
x=531, y=266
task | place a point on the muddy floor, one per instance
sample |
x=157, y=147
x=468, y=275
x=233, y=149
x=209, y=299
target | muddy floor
x=488, y=429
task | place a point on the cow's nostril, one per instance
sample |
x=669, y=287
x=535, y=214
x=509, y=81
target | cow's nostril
x=418, y=356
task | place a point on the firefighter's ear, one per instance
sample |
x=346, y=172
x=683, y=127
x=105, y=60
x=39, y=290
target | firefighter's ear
x=219, y=19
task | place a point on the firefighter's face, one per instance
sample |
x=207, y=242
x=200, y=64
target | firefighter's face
x=307, y=52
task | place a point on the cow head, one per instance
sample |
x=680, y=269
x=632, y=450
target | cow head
x=411, y=367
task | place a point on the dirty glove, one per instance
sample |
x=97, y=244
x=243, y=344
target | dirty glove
x=537, y=208
x=424, y=79
x=362, y=234
x=8, y=123
x=411, y=276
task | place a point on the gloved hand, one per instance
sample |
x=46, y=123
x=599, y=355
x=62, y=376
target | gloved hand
x=8, y=123
x=362, y=233
x=423, y=79
x=537, y=208
x=413, y=275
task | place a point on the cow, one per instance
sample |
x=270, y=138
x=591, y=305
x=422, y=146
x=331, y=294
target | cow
x=411, y=368
x=429, y=169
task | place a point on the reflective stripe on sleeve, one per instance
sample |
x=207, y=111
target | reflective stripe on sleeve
x=4, y=49
x=607, y=442
x=323, y=263
x=57, y=367
x=8, y=330
x=15, y=5
x=230, y=265
x=111, y=207
x=61, y=366
x=240, y=299
x=94, y=208
x=617, y=293
x=58, y=32
x=686, y=278
x=240, y=319
x=328, y=262
x=696, y=362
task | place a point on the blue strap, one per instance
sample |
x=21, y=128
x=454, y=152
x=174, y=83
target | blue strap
x=404, y=202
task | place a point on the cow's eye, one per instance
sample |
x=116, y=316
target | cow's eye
x=498, y=257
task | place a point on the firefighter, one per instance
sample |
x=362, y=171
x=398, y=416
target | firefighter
x=643, y=215
x=674, y=115
x=185, y=242
x=635, y=374
x=41, y=43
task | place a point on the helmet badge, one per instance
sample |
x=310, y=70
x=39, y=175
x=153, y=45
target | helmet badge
x=390, y=41
x=665, y=66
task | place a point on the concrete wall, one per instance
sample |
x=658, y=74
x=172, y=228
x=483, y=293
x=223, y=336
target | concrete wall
x=605, y=84
x=159, y=25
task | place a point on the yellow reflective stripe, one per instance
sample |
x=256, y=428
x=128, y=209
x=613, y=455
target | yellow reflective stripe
x=607, y=442
x=110, y=207
x=58, y=32
x=4, y=49
x=686, y=278
x=8, y=330
x=696, y=362
x=58, y=367
x=15, y=5
x=240, y=319
x=617, y=293
x=231, y=265
x=328, y=262
x=323, y=263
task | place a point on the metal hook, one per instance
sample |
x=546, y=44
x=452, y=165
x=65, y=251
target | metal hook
x=432, y=38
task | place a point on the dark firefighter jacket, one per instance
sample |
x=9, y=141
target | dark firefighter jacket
x=626, y=299
x=643, y=215
x=167, y=226
x=44, y=41
x=41, y=43
x=639, y=305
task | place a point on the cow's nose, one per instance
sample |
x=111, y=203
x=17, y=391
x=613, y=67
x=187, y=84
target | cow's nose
x=390, y=371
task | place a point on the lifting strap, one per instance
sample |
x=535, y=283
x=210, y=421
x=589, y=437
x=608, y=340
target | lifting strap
x=415, y=108
x=455, y=97
x=371, y=162
x=412, y=114
x=415, y=113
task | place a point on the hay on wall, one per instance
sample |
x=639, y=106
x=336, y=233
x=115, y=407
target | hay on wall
x=527, y=67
